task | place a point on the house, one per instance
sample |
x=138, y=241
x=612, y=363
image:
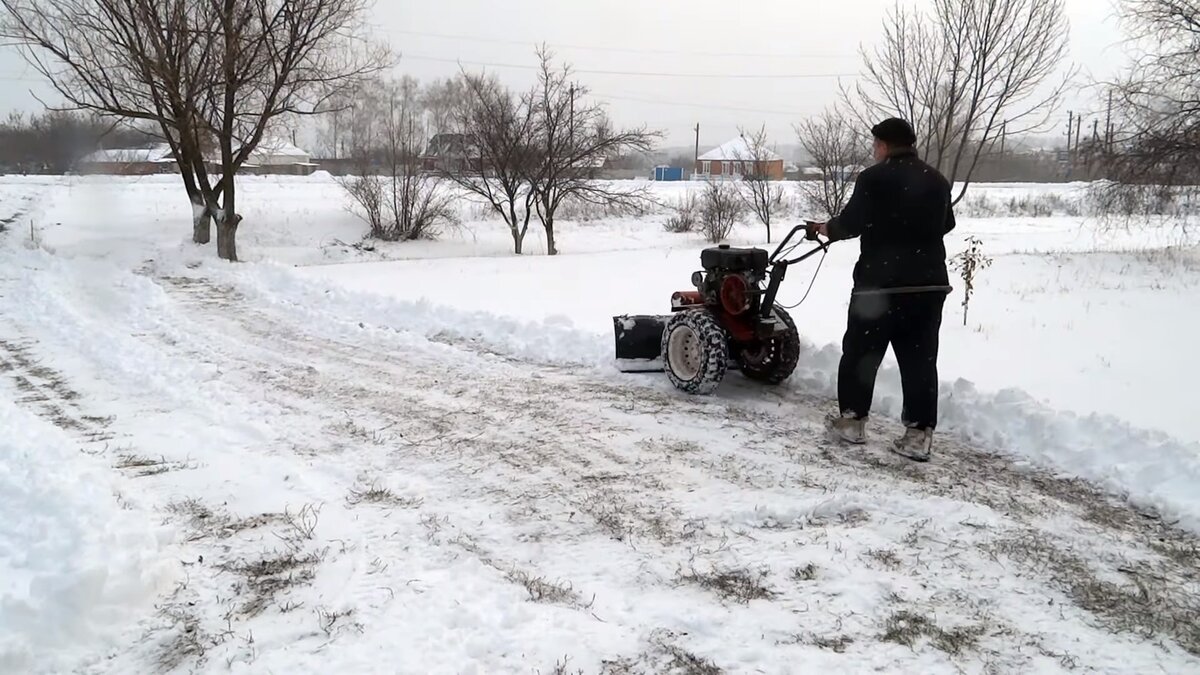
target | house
x=279, y=157
x=450, y=152
x=144, y=161
x=736, y=159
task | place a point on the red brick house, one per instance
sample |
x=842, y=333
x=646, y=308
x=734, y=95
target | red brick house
x=736, y=159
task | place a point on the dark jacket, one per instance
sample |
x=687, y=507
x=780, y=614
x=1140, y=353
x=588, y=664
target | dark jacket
x=901, y=209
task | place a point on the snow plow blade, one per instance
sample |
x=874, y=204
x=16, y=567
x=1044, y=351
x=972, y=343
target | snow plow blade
x=639, y=342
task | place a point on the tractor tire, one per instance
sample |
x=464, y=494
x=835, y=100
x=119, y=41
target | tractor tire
x=695, y=352
x=775, y=360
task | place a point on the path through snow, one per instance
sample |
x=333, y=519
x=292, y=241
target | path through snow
x=361, y=498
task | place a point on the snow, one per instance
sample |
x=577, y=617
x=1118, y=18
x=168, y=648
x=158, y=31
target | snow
x=160, y=152
x=194, y=421
x=272, y=151
x=76, y=570
x=739, y=149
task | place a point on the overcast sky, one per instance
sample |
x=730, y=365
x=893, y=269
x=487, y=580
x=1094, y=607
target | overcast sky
x=714, y=39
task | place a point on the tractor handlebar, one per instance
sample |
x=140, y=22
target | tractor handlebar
x=810, y=234
x=779, y=265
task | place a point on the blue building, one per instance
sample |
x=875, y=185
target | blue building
x=668, y=173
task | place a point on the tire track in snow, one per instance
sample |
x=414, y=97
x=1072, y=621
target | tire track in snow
x=47, y=392
x=749, y=417
x=41, y=387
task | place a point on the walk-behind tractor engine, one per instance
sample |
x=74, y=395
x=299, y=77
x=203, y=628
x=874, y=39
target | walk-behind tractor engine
x=730, y=320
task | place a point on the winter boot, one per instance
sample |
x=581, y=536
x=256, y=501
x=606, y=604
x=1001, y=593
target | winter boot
x=847, y=429
x=915, y=444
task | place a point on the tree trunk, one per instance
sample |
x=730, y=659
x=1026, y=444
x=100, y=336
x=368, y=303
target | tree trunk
x=518, y=241
x=227, y=237
x=551, y=249
x=201, y=223
x=227, y=225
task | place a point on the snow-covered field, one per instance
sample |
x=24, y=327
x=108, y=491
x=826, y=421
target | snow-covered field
x=419, y=459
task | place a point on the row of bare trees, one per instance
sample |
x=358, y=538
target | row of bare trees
x=538, y=150
x=213, y=76
x=966, y=73
x=523, y=154
x=1153, y=159
x=51, y=142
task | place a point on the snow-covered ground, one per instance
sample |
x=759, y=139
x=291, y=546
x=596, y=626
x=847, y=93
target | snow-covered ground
x=321, y=461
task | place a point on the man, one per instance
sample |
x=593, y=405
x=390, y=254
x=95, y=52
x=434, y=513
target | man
x=901, y=210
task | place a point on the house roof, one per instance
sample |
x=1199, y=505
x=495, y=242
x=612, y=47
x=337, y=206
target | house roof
x=739, y=149
x=448, y=145
x=279, y=148
x=153, y=153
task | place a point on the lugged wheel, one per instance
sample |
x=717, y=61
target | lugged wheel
x=695, y=351
x=773, y=361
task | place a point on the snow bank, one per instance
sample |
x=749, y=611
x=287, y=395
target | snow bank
x=553, y=341
x=1152, y=468
x=75, y=569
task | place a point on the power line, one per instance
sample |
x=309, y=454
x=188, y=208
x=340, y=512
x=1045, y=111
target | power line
x=704, y=106
x=627, y=73
x=623, y=50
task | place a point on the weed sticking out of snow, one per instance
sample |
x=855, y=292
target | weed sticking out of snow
x=381, y=496
x=738, y=584
x=541, y=590
x=662, y=656
x=187, y=641
x=205, y=523
x=143, y=467
x=885, y=558
x=805, y=573
x=1151, y=602
x=261, y=581
x=907, y=628
x=335, y=621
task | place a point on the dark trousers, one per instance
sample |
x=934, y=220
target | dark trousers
x=910, y=323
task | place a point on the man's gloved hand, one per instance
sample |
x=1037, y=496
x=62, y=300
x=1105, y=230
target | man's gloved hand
x=813, y=228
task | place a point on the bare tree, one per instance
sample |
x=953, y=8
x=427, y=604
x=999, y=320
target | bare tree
x=837, y=150
x=336, y=114
x=962, y=72
x=572, y=136
x=761, y=192
x=211, y=74
x=721, y=207
x=1153, y=148
x=405, y=202
x=276, y=58
x=498, y=128
x=441, y=98
x=139, y=60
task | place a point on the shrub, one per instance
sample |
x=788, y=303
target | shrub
x=721, y=207
x=685, y=216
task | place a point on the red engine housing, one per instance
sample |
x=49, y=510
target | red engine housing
x=735, y=294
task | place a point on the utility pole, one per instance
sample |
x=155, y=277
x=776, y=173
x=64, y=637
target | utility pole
x=1070, y=129
x=696, y=157
x=1095, y=131
x=572, y=120
x=1078, y=129
x=1108, y=128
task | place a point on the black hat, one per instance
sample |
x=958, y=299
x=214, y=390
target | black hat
x=895, y=132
